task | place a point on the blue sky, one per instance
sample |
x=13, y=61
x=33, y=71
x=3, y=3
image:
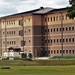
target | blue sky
x=8, y=7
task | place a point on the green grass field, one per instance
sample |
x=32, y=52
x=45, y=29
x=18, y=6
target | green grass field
x=38, y=70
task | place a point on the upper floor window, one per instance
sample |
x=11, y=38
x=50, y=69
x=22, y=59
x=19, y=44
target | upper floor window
x=20, y=22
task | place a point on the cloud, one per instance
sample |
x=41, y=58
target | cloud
x=7, y=10
x=14, y=6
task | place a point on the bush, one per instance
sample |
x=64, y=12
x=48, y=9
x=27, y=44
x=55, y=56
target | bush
x=5, y=67
x=30, y=55
x=23, y=55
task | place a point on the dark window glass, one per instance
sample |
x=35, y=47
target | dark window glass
x=51, y=18
x=48, y=30
x=51, y=30
x=54, y=51
x=60, y=40
x=48, y=19
x=45, y=20
x=66, y=29
x=54, y=29
x=66, y=51
x=69, y=28
x=66, y=40
x=72, y=28
x=72, y=39
x=60, y=29
x=69, y=39
x=57, y=29
x=57, y=40
x=73, y=51
x=51, y=40
x=57, y=51
x=54, y=40
x=54, y=18
x=69, y=51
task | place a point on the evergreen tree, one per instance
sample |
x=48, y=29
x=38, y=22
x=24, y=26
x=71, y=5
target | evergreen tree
x=71, y=9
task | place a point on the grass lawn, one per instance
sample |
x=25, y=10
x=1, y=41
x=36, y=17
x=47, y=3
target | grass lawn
x=38, y=70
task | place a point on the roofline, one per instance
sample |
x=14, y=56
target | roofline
x=31, y=12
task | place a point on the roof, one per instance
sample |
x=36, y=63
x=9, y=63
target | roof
x=41, y=11
x=57, y=10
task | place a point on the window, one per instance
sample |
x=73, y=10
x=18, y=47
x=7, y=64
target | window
x=54, y=40
x=48, y=19
x=29, y=40
x=54, y=29
x=51, y=30
x=45, y=30
x=66, y=29
x=51, y=18
x=14, y=21
x=63, y=29
x=45, y=20
x=73, y=51
x=69, y=28
x=29, y=30
x=69, y=39
x=29, y=19
x=45, y=41
x=57, y=51
x=69, y=51
x=14, y=42
x=48, y=30
x=72, y=28
x=66, y=17
x=60, y=29
x=60, y=51
x=51, y=52
x=57, y=29
x=56, y=18
x=63, y=51
x=57, y=40
x=72, y=39
x=66, y=51
x=66, y=40
x=51, y=40
x=14, y=32
x=54, y=51
x=3, y=32
x=63, y=40
x=20, y=22
x=60, y=40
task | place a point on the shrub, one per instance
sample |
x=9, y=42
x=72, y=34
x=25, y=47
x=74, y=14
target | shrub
x=23, y=55
x=30, y=55
x=5, y=67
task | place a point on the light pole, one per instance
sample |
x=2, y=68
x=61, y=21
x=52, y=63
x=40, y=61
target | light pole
x=1, y=37
x=5, y=36
x=23, y=31
x=61, y=18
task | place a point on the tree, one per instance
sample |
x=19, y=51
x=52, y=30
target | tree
x=71, y=9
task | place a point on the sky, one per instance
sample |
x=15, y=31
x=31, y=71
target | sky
x=8, y=7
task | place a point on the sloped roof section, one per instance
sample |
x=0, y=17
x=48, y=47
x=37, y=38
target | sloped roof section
x=57, y=10
x=43, y=10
